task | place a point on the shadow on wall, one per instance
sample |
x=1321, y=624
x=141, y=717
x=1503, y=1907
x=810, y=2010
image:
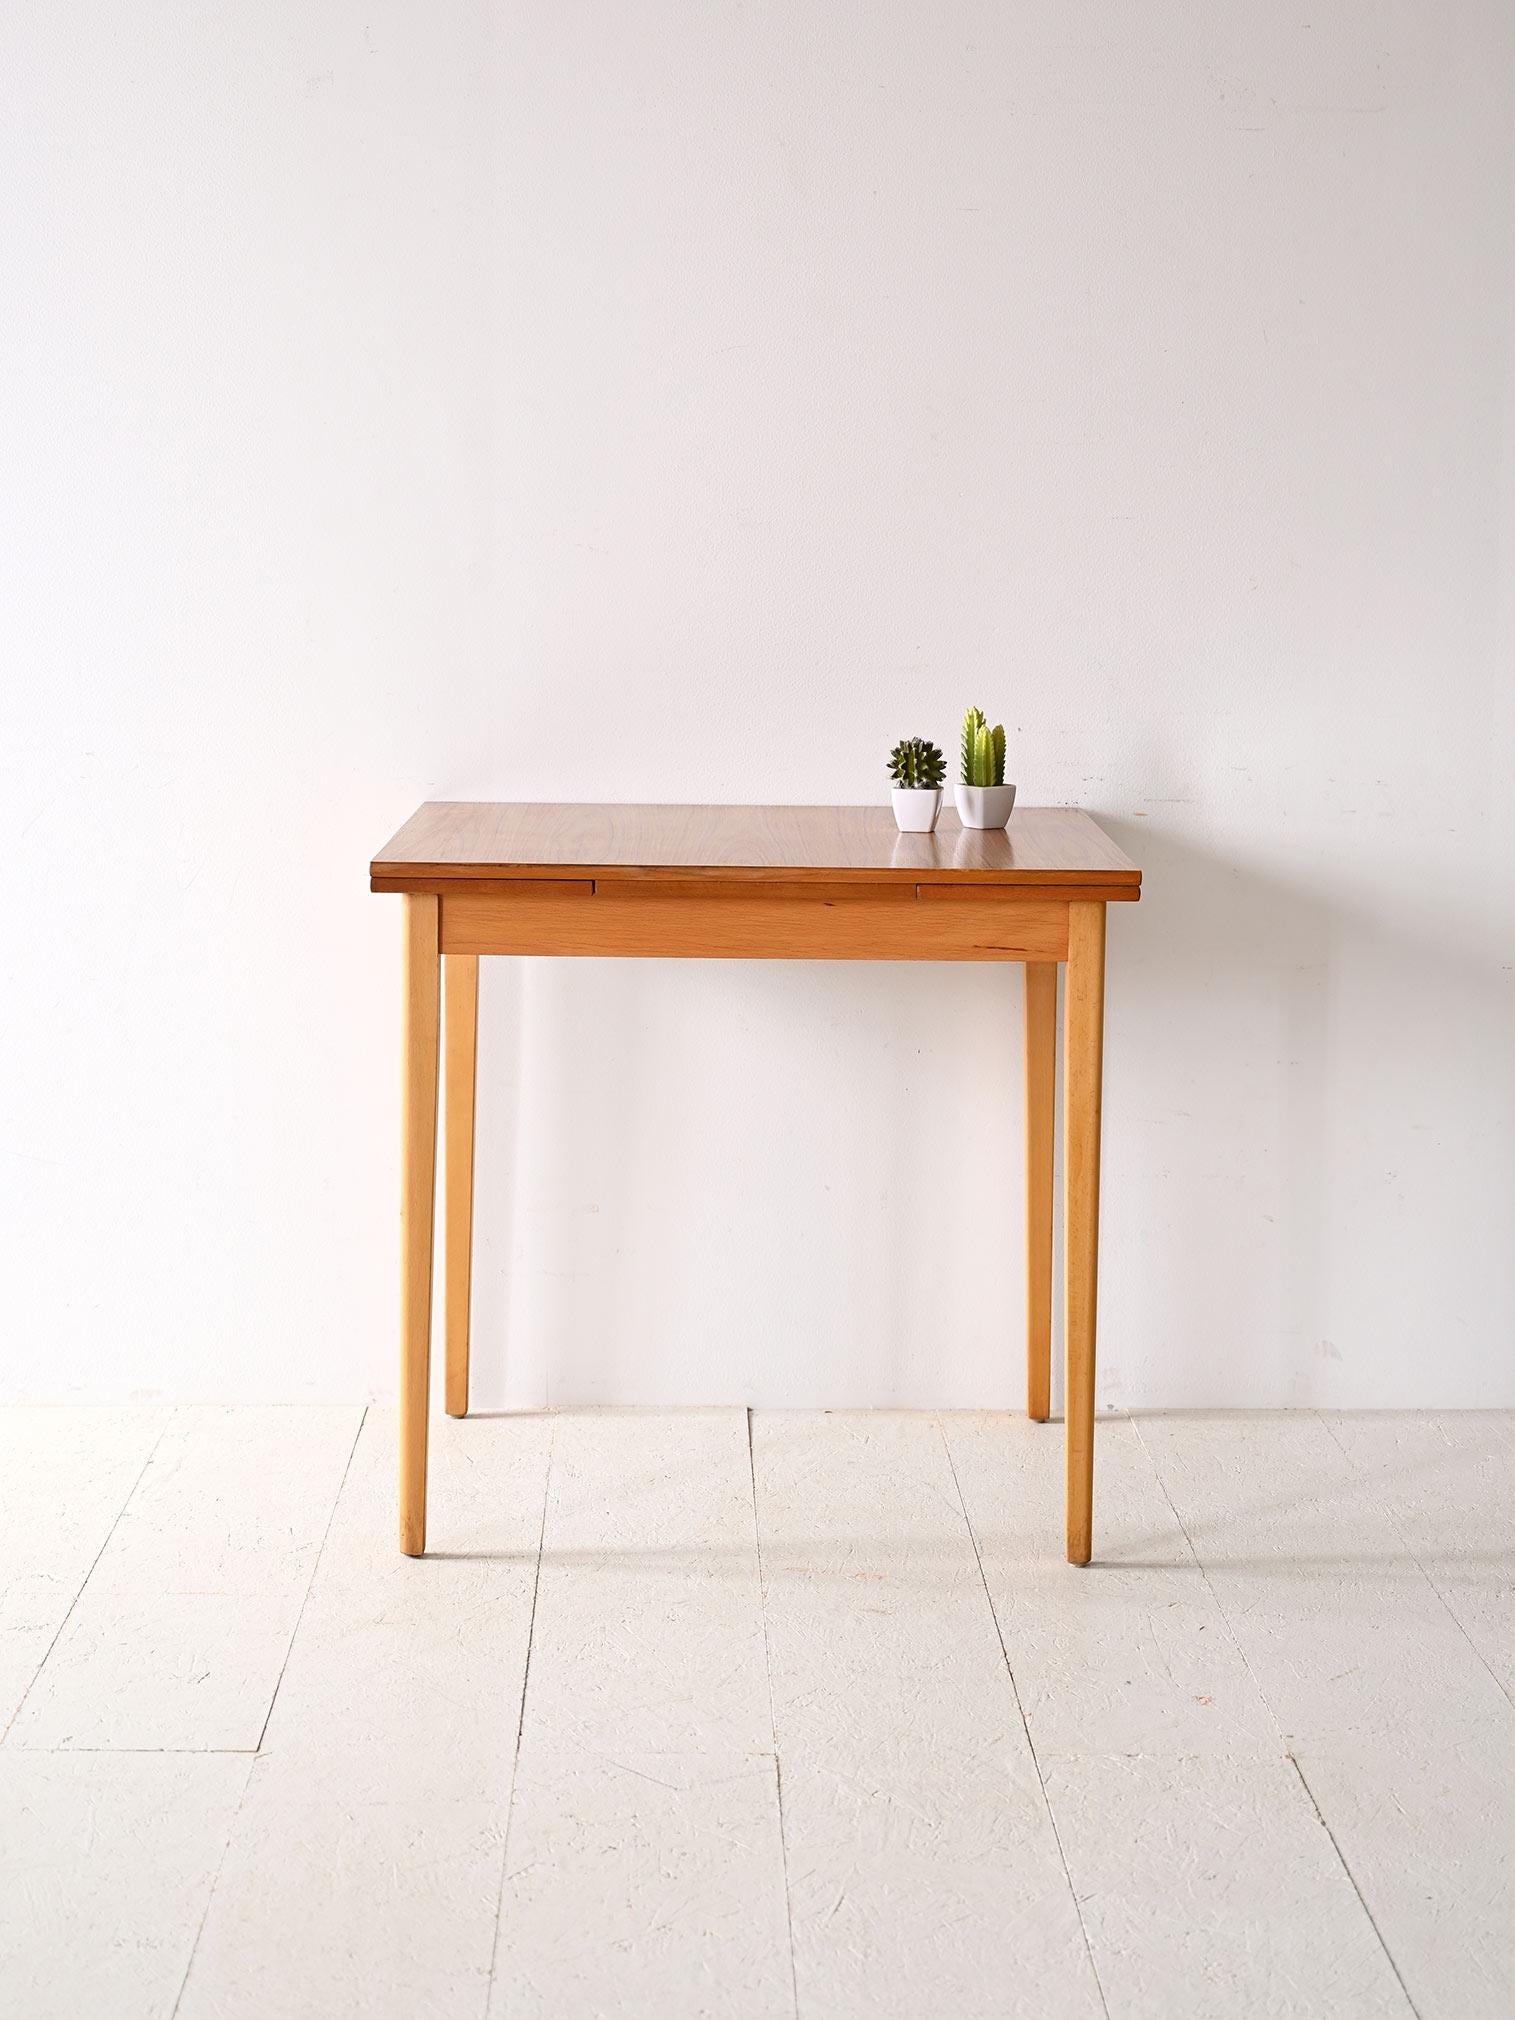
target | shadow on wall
x=800, y=1183
x=728, y=1181
x=1308, y=1102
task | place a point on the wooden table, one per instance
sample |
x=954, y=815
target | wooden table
x=785, y=883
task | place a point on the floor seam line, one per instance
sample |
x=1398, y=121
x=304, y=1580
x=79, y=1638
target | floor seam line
x=236, y=1815
x=1284, y=1740
x=130, y=1496
x=310, y=1583
x=515, y=1760
x=1414, y=1556
x=1352, y=1882
x=210, y=1892
x=773, y=1726
x=163, y=1752
x=1204, y=1571
x=1041, y=1780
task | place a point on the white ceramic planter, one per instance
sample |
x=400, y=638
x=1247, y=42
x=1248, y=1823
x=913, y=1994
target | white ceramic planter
x=916, y=808
x=984, y=806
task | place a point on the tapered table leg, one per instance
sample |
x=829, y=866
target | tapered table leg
x=1041, y=1101
x=1083, y=1047
x=417, y=1200
x=460, y=988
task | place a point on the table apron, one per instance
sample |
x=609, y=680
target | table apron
x=794, y=922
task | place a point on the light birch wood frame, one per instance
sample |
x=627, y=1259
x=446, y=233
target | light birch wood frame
x=460, y=989
x=740, y=922
x=418, y=1164
x=1083, y=1056
x=1040, y=1127
x=781, y=923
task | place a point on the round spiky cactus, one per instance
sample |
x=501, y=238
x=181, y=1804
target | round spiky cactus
x=915, y=763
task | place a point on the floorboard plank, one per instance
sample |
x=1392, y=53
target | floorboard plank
x=65, y=1476
x=1352, y=1574
x=1345, y=1635
x=178, y=1637
x=1210, y=1890
x=1428, y=1834
x=645, y=1861
x=363, y=1875
x=1446, y=1479
x=106, y=1862
x=1132, y=1655
x=924, y=1871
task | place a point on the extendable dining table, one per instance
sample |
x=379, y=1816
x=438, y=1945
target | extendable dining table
x=751, y=883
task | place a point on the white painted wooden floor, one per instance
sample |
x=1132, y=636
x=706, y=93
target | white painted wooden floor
x=692, y=1718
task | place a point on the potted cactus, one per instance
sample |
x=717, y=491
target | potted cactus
x=918, y=770
x=983, y=798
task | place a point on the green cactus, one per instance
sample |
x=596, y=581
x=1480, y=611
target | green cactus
x=983, y=750
x=915, y=763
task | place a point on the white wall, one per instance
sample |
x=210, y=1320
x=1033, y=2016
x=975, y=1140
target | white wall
x=656, y=401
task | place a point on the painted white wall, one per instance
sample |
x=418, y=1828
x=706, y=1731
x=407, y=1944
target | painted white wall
x=683, y=401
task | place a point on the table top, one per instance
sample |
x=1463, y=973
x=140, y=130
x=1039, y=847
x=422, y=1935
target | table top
x=450, y=841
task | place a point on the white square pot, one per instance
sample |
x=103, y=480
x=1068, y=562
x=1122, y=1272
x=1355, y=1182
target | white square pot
x=984, y=806
x=916, y=808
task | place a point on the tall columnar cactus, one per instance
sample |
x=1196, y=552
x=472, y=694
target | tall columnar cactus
x=915, y=763
x=983, y=750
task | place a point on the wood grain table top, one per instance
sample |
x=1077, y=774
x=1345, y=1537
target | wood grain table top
x=454, y=841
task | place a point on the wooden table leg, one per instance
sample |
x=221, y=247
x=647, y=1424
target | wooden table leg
x=1083, y=1045
x=460, y=981
x=1041, y=1103
x=417, y=1199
